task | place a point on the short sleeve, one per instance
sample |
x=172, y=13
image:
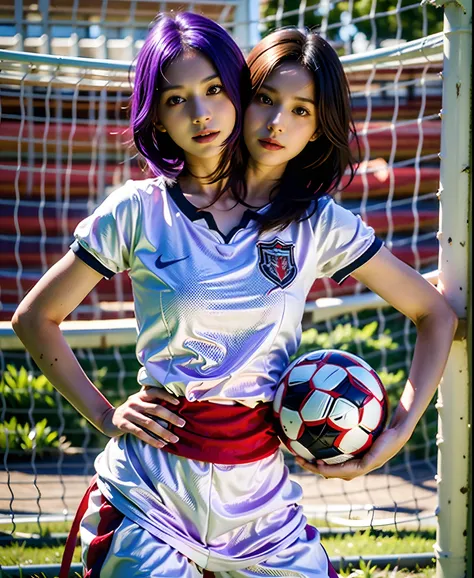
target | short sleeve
x=343, y=241
x=105, y=239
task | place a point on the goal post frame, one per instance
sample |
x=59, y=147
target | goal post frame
x=455, y=196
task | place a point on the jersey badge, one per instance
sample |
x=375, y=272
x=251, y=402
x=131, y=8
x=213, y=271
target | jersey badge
x=277, y=262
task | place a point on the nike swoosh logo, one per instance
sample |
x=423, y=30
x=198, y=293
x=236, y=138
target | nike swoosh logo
x=160, y=264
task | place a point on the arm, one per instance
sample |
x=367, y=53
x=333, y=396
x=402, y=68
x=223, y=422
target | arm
x=406, y=290
x=36, y=322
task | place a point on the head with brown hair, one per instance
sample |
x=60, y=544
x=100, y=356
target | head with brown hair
x=299, y=121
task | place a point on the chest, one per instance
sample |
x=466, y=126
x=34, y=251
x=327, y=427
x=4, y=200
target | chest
x=190, y=256
x=192, y=262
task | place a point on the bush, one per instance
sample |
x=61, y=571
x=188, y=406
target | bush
x=31, y=419
x=40, y=438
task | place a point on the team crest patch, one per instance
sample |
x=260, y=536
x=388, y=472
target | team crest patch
x=277, y=262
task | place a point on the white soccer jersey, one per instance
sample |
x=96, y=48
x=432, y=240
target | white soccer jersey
x=218, y=316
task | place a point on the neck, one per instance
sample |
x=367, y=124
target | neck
x=262, y=178
x=199, y=170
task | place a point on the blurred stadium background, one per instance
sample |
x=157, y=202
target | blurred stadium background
x=65, y=144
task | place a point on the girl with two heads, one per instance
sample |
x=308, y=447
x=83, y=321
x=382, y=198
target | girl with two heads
x=222, y=246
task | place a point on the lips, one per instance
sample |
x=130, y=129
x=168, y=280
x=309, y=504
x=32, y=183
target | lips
x=270, y=144
x=205, y=136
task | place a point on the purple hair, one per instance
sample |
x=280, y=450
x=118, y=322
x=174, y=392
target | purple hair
x=169, y=37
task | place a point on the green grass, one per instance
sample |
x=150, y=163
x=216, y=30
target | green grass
x=378, y=543
x=19, y=554
x=33, y=528
x=364, y=543
x=369, y=571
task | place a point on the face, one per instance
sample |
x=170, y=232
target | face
x=281, y=119
x=194, y=108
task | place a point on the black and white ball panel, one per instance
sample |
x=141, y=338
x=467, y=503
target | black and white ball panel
x=330, y=405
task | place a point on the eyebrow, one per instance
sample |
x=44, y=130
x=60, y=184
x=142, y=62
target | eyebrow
x=300, y=98
x=204, y=81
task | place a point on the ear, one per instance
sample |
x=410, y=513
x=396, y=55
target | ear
x=316, y=135
x=159, y=126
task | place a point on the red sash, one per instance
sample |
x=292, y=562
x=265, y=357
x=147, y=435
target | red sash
x=74, y=531
x=223, y=434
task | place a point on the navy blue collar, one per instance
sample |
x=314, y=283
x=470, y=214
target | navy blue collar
x=195, y=214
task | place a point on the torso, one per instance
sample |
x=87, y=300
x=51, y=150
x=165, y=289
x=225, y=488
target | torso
x=218, y=312
x=227, y=301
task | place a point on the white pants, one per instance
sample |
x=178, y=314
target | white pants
x=163, y=513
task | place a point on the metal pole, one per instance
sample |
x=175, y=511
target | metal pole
x=455, y=197
x=19, y=25
x=246, y=32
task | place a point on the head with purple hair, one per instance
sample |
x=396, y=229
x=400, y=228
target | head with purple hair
x=170, y=38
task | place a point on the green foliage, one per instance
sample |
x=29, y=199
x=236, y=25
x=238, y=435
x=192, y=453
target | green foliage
x=36, y=529
x=412, y=21
x=366, y=569
x=379, y=542
x=41, y=437
x=346, y=338
x=21, y=388
x=387, y=572
x=27, y=400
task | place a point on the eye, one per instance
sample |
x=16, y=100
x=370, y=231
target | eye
x=174, y=100
x=301, y=111
x=264, y=99
x=215, y=89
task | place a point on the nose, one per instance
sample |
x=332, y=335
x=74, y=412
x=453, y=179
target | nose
x=275, y=124
x=201, y=113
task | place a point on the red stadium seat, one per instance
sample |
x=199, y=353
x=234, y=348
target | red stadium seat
x=42, y=204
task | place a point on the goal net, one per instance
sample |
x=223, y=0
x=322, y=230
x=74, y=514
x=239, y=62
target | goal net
x=65, y=144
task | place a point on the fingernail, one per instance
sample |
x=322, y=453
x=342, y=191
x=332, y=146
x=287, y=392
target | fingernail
x=174, y=439
x=181, y=423
x=174, y=401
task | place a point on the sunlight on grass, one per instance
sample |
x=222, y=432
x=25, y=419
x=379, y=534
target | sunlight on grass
x=33, y=528
x=378, y=543
x=363, y=543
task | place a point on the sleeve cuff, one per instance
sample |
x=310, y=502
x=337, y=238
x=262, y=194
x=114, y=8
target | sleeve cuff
x=90, y=260
x=341, y=275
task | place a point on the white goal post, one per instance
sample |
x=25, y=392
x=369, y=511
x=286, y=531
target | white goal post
x=455, y=196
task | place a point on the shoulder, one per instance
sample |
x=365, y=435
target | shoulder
x=323, y=210
x=324, y=202
x=150, y=186
x=330, y=215
x=153, y=191
x=141, y=189
x=136, y=194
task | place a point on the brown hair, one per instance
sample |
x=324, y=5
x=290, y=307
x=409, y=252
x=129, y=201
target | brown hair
x=320, y=167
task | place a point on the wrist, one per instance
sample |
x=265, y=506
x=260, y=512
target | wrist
x=403, y=423
x=104, y=420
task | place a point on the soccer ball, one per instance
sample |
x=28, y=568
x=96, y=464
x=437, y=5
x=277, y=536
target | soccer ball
x=330, y=405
